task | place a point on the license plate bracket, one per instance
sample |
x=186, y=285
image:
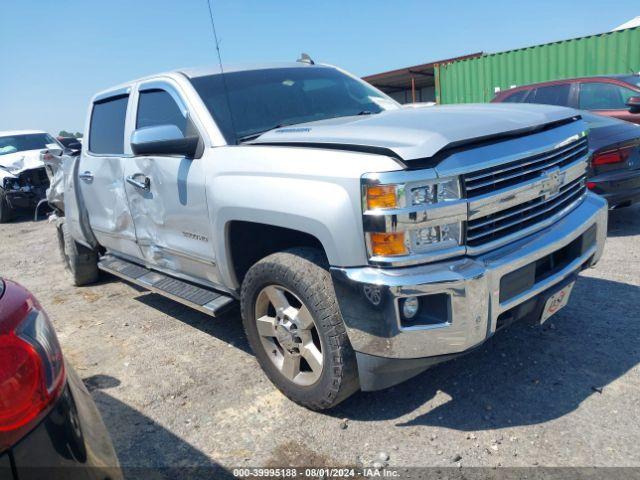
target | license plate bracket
x=556, y=302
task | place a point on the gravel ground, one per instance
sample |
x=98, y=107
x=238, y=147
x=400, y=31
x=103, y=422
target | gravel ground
x=178, y=388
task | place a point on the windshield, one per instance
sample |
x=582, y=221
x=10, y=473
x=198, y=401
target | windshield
x=21, y=143
x=261, y=100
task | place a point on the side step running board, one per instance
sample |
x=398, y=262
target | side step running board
x=208, y=301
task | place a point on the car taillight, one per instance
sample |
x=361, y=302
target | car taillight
x=619, y=155
x=31, y=375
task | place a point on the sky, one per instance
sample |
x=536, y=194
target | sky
x=57, y=53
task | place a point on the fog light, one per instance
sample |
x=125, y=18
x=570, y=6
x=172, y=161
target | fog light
x=410, y=307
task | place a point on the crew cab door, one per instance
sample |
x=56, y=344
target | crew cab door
x=101, y=174
x=166, y=192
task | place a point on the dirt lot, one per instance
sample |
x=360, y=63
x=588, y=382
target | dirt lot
x=176, y=387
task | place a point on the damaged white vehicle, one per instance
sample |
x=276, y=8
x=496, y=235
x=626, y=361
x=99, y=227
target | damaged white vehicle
x=23, y=179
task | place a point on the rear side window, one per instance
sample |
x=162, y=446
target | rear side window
x=106, y=131
x=604, y=96
x=516, y=97
x=157, y=107
x=551, y=95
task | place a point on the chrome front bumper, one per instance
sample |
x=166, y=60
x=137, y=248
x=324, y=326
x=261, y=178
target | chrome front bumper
x=369, y=297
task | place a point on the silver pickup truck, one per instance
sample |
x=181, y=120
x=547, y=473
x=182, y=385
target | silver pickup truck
x=363, y=241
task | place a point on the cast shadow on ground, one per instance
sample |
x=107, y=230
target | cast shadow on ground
x=526, y=374
x=624, y=222
x=227, y=327
x=147, y=450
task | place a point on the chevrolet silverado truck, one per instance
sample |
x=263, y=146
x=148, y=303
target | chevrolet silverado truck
x=364, y=242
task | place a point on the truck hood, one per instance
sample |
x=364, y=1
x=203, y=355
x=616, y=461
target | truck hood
x=418, y=133
x=17, y=162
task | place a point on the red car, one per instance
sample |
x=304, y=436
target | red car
x=615, y=96
x=50, y=426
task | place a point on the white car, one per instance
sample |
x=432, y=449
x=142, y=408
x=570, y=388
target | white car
x=23, y=179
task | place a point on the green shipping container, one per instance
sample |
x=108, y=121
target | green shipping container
x=476, y=79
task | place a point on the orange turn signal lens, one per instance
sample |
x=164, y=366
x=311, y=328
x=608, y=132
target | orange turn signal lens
x=382, y=196
x=388, y=244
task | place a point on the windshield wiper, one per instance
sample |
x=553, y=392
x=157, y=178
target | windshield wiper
x=253, y=136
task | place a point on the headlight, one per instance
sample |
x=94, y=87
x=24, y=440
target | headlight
x=413, y=219
x=11, y=183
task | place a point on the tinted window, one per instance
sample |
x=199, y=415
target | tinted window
x=551, y=95
x=249, y=102
x=604, y=96
x=21, y=143
x=106, y=133
x=157, y=107
x=517, y=97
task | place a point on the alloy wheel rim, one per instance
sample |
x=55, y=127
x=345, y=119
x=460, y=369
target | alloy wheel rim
x=289, y=335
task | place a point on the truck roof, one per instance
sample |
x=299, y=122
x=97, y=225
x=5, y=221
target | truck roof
x=196, y=72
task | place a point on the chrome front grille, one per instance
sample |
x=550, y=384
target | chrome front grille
x=505, y=222
x=503, y=176
x=517, y=198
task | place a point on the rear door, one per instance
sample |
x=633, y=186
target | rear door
x=170, y=216
x=101, y=174
x=607, y=99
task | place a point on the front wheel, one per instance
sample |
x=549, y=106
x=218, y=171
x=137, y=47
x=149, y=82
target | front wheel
x=294, y=326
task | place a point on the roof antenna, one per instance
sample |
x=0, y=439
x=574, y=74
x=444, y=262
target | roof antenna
x=304, y=58
x=224, y=81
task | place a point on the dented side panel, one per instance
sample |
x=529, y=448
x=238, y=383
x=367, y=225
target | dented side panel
x=171, y=218
x=101, y=183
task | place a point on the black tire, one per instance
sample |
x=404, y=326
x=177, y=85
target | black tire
x=6, y=212
x=304, y=272
x=80, y=261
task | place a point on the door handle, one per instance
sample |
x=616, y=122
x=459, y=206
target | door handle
x=86, y=176
x=144, y=185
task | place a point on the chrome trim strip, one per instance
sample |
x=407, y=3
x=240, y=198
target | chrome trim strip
x=581, y=144
x=562, y=198
x=524, y=232
x=540, y=168
x=575, y=186
x=527, y=191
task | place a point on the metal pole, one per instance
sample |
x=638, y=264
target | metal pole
x=413, y=89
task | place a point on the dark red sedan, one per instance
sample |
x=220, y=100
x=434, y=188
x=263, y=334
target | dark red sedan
x=615, y=96
x=49, y=425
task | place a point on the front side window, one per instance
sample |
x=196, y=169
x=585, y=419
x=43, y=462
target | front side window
x=25, y=142
x=551, y=95
x=157, y=107
x=106, y=131
x=247, y=103
x=604, y=96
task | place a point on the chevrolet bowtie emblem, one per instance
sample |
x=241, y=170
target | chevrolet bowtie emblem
x=552, y=180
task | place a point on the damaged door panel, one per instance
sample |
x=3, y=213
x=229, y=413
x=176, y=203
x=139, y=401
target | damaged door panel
x=166, y=191
x=101, y=177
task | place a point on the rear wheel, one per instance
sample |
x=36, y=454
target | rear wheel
x=80, y=261
x=294, y=326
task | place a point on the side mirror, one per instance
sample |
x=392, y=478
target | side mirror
x=634, y=104
x=163, y=140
